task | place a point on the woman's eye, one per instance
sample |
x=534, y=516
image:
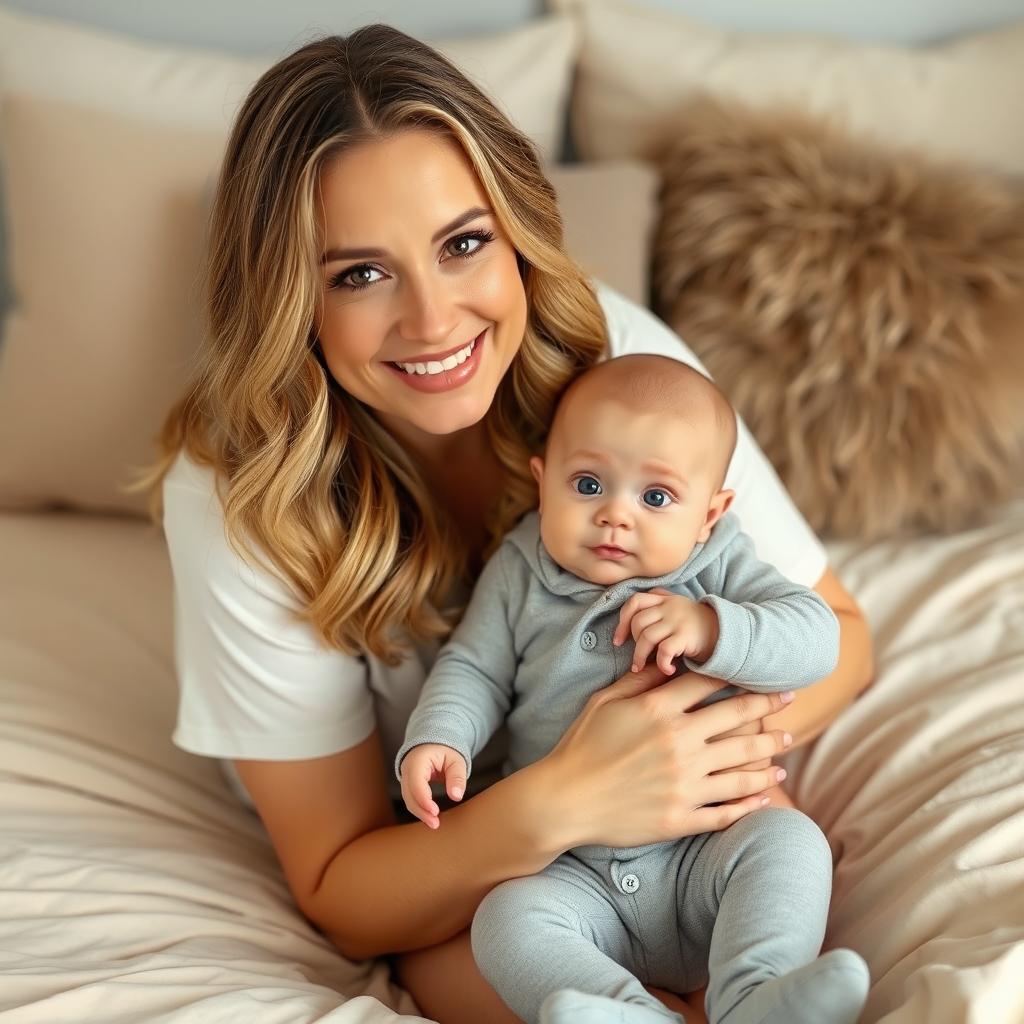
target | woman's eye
x=657, y=498
x=586, y=485
x=482, y=237
x=350, y=279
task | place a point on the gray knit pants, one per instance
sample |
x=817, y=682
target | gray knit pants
x=725, y=909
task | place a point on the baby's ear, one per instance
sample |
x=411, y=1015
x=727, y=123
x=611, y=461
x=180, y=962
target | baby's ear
x=537, y=468
x=717, y=507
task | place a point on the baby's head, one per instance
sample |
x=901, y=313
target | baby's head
x=635, y=461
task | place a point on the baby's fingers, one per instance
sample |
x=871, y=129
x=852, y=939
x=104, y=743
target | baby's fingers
x=621, y=633
x=646, y=642
x=628, y=610
x=455, y=778
x=668, y=651
x=420, y=801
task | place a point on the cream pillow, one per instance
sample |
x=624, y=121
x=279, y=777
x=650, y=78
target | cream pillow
x=638, y=65
x=107, y=217
x=203, y=89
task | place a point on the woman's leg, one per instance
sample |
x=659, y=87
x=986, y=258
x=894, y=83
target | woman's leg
x=448, y=987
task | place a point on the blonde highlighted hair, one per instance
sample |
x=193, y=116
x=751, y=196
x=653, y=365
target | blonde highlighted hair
x=309, y=480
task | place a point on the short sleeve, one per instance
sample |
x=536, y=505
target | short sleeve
x=781, y=535
x=255, y=681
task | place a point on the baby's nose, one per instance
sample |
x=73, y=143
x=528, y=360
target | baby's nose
x=614, y=514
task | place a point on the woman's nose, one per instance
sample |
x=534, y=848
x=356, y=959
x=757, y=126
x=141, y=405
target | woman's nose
x=429, y=315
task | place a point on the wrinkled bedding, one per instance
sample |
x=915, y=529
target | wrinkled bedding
x=135, y=888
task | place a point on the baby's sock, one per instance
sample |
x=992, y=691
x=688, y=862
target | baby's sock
x=829, y=990
x=567, y=1006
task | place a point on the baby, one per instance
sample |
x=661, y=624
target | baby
x=633, y=538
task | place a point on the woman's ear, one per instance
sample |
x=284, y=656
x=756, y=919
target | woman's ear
x=537, y=468
x=717, y=508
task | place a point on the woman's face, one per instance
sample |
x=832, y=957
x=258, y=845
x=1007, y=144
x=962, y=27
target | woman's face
x=416, y=269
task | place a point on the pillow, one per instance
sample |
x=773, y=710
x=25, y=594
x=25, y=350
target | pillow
x=203, y=89
x=863, y=308
x=609, y=209
x=637, y=65
x=106, y=262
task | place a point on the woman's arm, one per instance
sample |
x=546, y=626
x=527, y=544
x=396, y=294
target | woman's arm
x=374, y=886
x=816, y=706
x=631, y=769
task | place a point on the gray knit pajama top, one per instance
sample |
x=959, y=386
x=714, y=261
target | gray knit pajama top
x=536, y=641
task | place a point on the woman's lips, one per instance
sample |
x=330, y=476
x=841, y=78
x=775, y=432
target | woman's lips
x=609, y=551
x=446, y=380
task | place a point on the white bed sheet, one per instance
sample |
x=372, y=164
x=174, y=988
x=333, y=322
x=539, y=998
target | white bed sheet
x=136, y=889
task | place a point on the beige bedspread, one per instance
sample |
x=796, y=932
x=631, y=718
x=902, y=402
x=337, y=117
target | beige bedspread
x=135, y=889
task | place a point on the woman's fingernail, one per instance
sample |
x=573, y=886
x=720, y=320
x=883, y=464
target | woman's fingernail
x=456, y=792
x=786, y=739
x=787, y=697
x=780, y=774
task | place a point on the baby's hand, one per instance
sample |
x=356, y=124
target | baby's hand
x=672, y=623
x=424, y=764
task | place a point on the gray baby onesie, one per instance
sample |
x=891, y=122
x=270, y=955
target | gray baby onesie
x=739, y=905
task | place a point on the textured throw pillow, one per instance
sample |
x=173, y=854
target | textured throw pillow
x=637, y=64
x=863, y=308
x=107, y=260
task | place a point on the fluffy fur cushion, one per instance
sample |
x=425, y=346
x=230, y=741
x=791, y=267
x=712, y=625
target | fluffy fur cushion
x=863, y=309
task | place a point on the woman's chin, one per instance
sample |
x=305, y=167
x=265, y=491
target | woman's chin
x=448, y=417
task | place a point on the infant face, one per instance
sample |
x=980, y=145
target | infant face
x=628, y=492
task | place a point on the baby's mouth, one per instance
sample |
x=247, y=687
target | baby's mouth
x=609, y=551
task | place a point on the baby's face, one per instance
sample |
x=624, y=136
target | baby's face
x=626, y=493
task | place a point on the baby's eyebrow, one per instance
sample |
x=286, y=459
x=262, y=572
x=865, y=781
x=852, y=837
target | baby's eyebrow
x=663, y=469
x=586, y=453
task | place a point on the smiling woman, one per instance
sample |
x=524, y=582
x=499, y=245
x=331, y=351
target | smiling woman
x=433, y=295
x=391, y=319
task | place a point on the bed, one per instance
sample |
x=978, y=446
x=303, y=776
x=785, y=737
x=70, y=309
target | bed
x=136, y=887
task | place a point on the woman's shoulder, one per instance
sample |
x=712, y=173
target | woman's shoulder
x=187, y=473
x=197, y=539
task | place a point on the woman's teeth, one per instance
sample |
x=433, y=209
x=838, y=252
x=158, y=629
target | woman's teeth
x=445, y=364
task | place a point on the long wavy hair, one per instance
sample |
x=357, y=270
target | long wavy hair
x=309, y=480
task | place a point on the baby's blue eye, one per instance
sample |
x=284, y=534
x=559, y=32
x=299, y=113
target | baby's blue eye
x=587, y=485
x=657, y=498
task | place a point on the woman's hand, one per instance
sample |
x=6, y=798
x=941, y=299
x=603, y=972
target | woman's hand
x=637, y=766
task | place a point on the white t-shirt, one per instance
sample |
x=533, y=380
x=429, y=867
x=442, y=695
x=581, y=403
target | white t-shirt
x=255, y=682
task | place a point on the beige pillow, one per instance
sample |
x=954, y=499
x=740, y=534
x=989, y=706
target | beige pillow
x=609, y=209
x=203, y=89
x=863, y=308
x=637, y=65
x=107, y=218
x=200, y=88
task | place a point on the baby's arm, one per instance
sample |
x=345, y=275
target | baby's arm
x=468, y=692
x=773, y=634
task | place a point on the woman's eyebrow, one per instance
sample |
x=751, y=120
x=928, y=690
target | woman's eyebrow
x=362, y=254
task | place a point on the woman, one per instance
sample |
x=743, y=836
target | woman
x=391, y=318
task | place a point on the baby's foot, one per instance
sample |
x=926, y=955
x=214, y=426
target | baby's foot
x=829, y=990
x=567, y=1006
